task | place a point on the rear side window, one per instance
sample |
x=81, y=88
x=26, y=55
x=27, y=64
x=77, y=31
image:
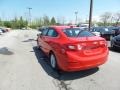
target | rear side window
x=52, y=33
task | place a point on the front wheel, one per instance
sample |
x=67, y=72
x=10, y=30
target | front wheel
x=112, y=46
x=38, y=47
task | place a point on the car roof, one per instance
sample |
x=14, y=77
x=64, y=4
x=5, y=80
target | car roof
x=60, y=27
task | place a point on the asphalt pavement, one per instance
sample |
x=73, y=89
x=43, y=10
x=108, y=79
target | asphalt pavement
x=24, y=67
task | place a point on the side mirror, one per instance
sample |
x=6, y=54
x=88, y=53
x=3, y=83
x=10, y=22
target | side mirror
x=37, y=34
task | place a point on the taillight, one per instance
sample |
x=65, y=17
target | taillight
x=73, y=47
x=103, y=43
x=79, y=47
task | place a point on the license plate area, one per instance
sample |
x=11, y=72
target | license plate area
x=93, y=51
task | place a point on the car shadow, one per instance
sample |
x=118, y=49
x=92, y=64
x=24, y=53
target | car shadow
x=29, y=40
x=5, y=51
x=44, y=62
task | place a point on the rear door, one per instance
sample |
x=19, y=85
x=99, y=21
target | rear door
x=48, y=40
x=51, y=40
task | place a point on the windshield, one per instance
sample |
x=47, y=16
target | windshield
x=104, y=29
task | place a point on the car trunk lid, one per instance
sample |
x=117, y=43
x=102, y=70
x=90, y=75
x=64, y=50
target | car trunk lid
x=87, y=45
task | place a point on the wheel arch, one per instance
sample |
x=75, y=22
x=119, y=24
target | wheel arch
x=51, y=52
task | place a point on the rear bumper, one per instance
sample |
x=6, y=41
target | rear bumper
x=83, y=63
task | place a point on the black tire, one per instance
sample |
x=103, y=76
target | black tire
x=112, y=46
x=53, y=61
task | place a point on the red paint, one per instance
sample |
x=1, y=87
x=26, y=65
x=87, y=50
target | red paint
x=75, y=54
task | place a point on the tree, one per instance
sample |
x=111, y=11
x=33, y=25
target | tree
x=46, y=20
x=1, y=24
x=105, y=18
x=117, y=18
x=15, y=22
x=18, y=23
x=22, y=23
x=7, y=24
x=53, y=21
x=39, y=22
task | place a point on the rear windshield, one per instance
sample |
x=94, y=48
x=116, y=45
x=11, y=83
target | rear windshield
x=76, y=32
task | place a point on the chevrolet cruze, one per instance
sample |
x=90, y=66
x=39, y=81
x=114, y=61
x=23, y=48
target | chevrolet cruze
x=72, y=49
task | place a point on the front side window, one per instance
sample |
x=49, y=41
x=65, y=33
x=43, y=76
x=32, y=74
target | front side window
x=44, y=32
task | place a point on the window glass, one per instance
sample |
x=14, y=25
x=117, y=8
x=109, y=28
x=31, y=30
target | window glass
x=76, y=32
x=44, y=31
x=72, y=32
x=86, y=34
x=52, y=33
x=96, y=30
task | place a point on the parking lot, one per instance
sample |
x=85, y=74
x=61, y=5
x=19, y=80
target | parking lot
x=24, y=67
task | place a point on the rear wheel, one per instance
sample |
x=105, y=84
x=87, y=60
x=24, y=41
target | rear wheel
x=53, y=62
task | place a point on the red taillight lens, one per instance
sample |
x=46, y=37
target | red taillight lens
x=103, y=43
x=74, y=47
x=79, y=47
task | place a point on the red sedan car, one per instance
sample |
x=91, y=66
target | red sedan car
x=72, y=49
